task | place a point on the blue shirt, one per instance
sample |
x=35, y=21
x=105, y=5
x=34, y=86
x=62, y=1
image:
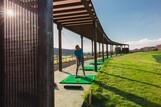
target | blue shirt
x=78, y=53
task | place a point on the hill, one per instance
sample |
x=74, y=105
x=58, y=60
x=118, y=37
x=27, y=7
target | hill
x=64, y=51
x=144, y=49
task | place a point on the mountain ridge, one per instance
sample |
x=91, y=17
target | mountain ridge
x=64, y=51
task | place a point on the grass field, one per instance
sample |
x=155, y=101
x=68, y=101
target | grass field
x=132, y=80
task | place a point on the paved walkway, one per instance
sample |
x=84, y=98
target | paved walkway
x=69, y=98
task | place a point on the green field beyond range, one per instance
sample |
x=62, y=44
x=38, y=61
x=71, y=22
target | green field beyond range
x=132, y=80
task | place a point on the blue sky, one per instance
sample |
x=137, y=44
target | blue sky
x=127, y=21
x=130, y=19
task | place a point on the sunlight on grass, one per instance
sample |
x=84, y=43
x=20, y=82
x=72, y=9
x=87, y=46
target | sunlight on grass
x=132, y=80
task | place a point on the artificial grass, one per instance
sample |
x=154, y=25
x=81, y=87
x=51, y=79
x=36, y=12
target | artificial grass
x=132, y=80
x=88, y=79
x=98, y=62
x=91, y=68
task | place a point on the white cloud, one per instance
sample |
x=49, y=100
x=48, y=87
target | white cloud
x=143, y=43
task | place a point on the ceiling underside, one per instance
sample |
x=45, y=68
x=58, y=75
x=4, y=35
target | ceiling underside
x=79, y=16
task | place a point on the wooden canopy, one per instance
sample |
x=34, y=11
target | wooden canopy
x=79, y=16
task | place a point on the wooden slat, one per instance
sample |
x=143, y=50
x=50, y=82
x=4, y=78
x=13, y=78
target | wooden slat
x=75, y=16
x=68, y=8
x=79, y=8
x=86, y=4
x=75, y=22
x=75, y=19
x=67, y=3
x=64, y=2
x=70, y=18
x=69, y=13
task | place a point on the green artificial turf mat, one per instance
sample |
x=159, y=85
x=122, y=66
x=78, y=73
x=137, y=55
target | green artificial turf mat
x=98, y=63
x=88, y=79
x=90, y=68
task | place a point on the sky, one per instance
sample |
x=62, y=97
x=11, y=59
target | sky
x=136, y=22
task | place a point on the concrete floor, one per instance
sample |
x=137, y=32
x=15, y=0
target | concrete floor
x=69, y=98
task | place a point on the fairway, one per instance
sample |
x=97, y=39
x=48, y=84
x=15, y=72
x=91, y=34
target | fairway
x=132, y=80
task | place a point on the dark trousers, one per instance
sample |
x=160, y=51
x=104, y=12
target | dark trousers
x=80, y=62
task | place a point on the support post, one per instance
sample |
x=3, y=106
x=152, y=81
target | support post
x=95, y=43
x=121, y=49
x=81, y=41
x=103, y=52
x=111, y=50
x=92, y=47
x=116, y=46
x=82, y=49
x=59, y=27
x=128, y=48
x=107, y=50
x=45, y=52
x=99, y=53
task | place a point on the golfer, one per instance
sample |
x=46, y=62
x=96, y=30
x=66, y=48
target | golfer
x=79, y=58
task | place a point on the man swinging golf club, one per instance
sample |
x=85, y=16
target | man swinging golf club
x=79, y=59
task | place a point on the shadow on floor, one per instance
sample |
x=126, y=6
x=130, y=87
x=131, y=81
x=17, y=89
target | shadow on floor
x=56, y=66
x=157, y=58
x=66, y=72
x=73, y=87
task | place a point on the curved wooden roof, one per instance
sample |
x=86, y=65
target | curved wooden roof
x=78, y=16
